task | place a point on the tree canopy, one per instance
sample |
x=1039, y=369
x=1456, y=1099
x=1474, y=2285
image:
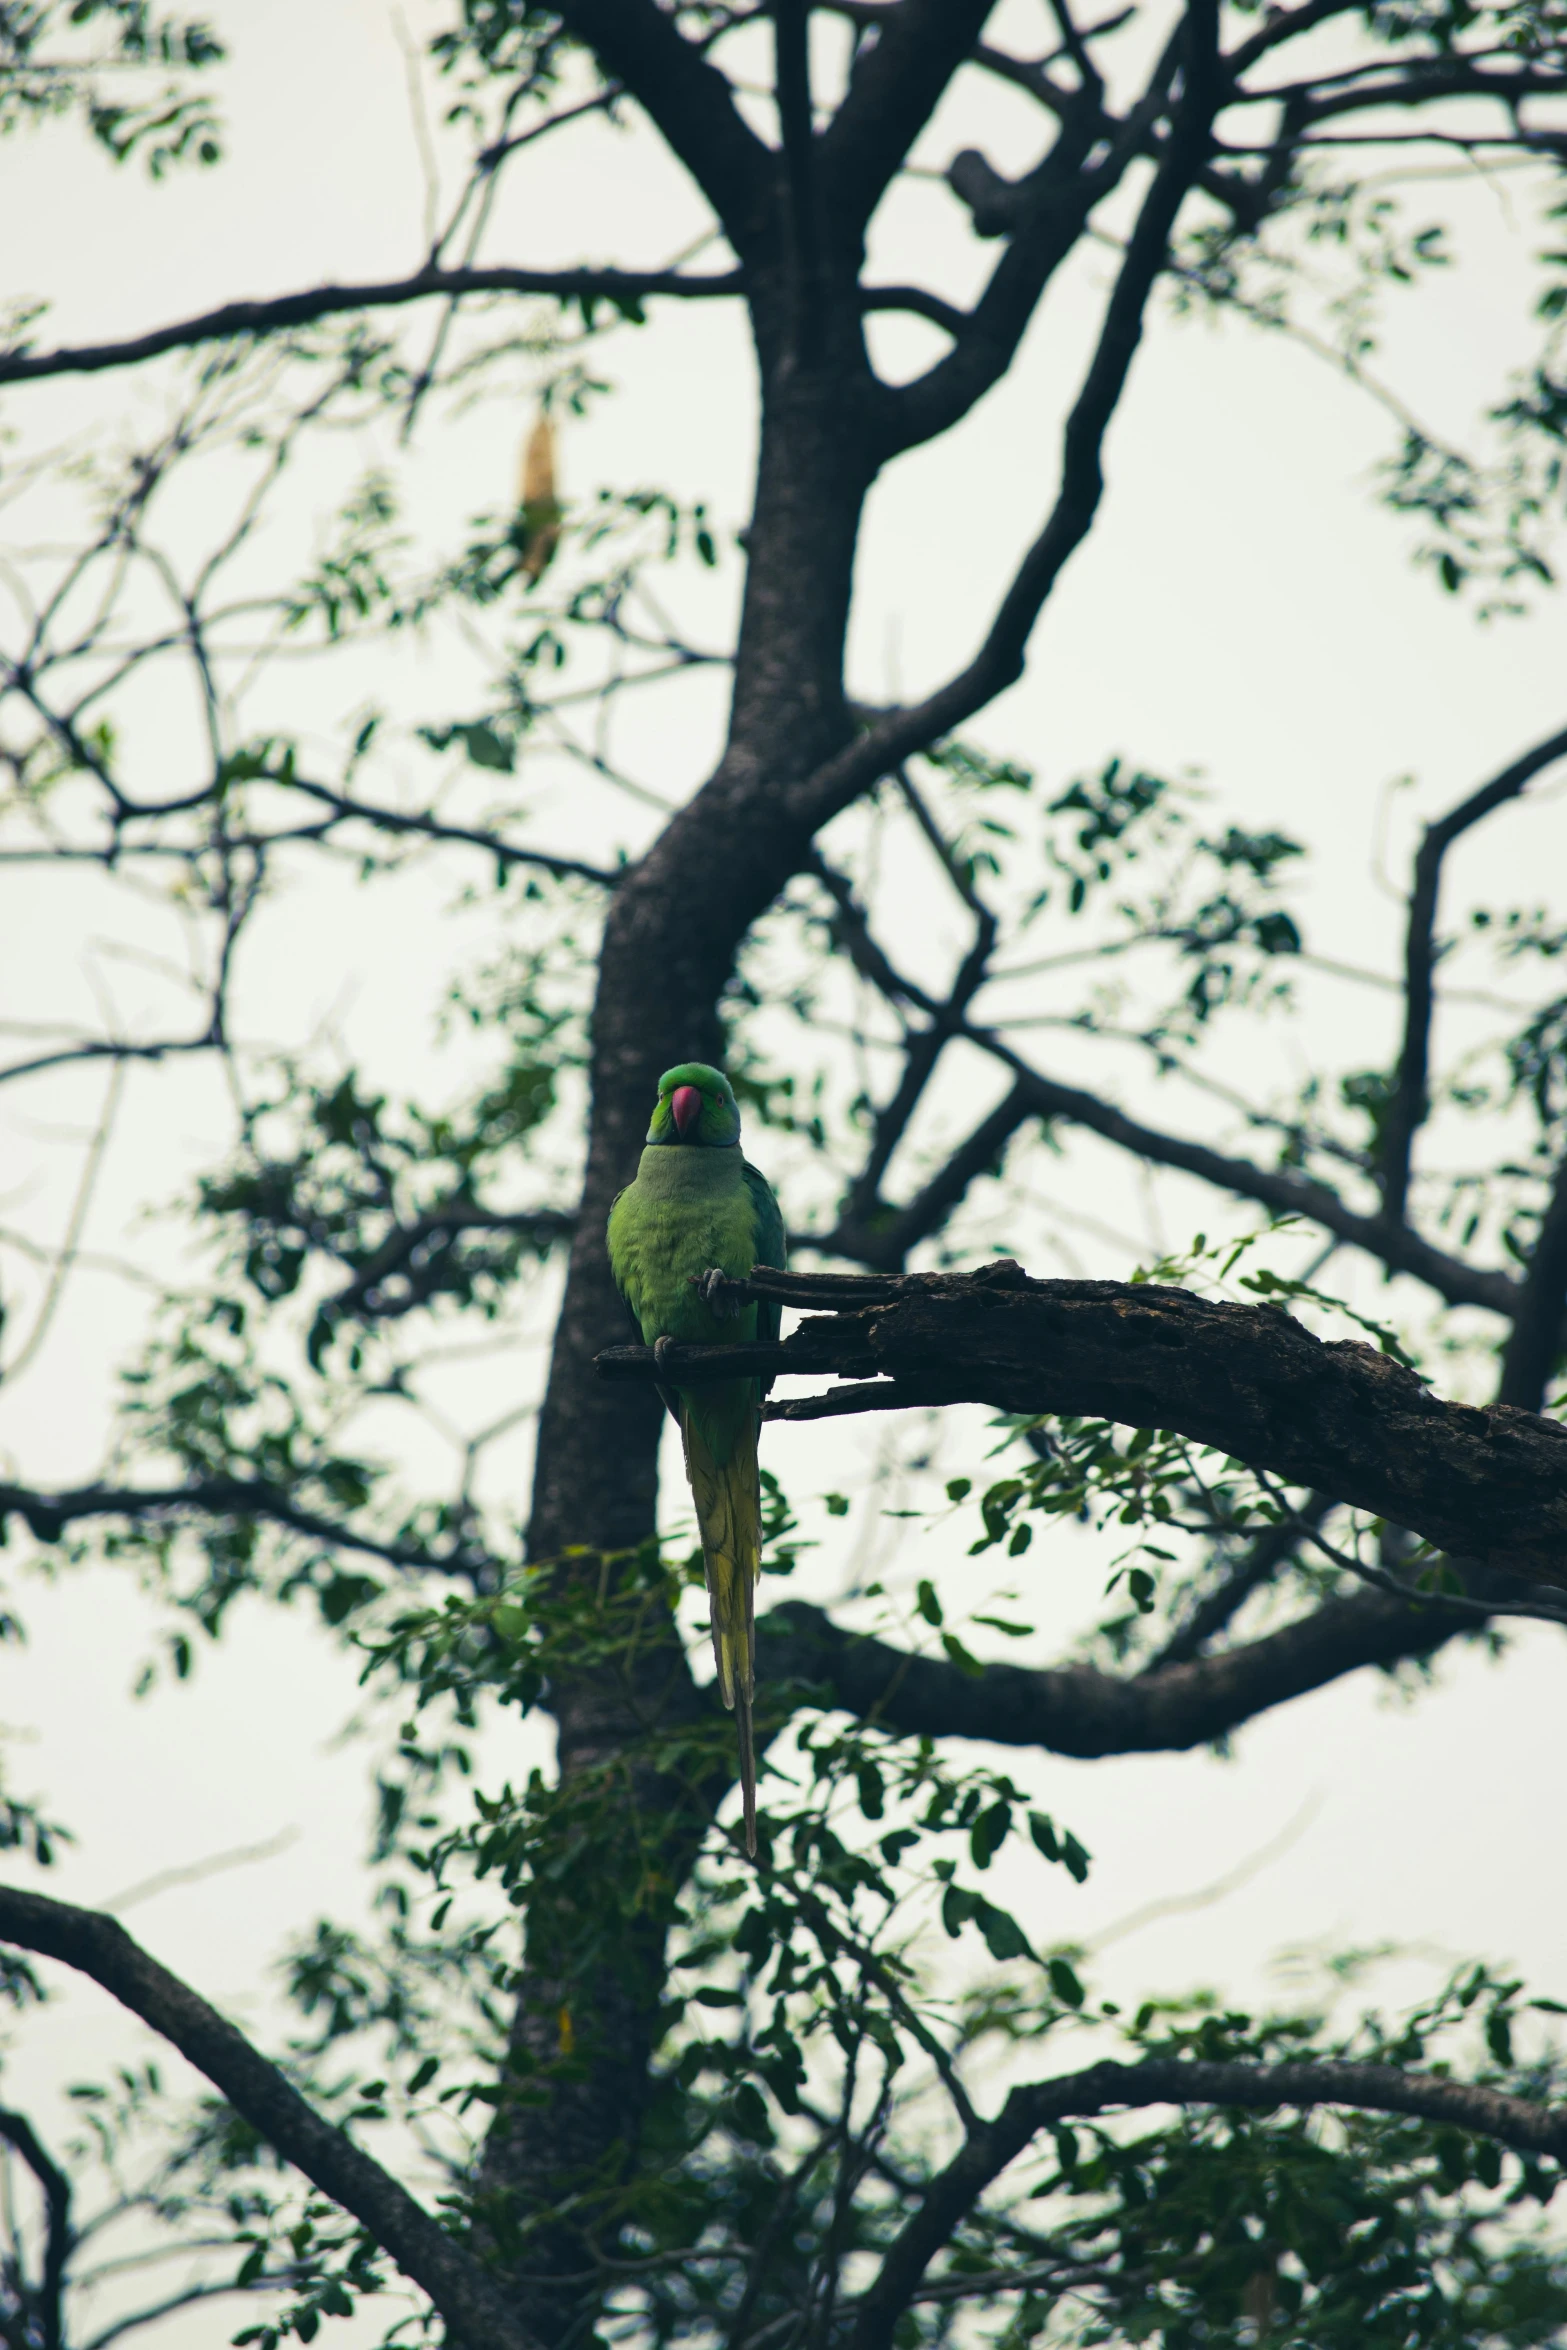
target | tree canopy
x=591, y=2074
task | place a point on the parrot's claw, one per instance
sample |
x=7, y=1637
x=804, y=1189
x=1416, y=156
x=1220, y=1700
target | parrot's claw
x=661, y=1347
x=711, y=1288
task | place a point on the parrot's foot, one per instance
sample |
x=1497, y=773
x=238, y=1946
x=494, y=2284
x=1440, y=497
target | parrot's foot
x=661, y=1347
x=712, y=1287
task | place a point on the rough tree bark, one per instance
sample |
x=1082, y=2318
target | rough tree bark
x=1338, y=1416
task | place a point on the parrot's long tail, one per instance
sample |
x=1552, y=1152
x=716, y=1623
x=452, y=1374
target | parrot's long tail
x=728, y=1497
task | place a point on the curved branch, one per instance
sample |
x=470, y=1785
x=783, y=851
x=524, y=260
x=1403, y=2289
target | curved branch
x=1076, y=1709
x=302, y=309
x=1528, y=2129
x=471, y=2301
x=1336, y=1417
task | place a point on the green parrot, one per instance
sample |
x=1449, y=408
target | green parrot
x=698, y=1205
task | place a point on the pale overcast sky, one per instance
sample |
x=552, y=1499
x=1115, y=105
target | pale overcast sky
x=1242, y=609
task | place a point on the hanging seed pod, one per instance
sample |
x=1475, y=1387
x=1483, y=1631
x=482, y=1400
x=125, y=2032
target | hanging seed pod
x=539, y=506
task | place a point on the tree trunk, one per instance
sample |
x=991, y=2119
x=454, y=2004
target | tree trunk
x=587, y=2010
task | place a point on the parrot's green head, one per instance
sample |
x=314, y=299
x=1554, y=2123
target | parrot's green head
x=696, y=1105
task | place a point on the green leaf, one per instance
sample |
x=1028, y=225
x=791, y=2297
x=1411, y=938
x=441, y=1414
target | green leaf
x=1064, y=1982
x=927, y=1603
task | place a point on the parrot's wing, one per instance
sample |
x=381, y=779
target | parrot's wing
x=665, y=1395
x=771, y=1247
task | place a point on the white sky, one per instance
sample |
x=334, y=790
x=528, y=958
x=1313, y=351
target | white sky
x=1242, y=609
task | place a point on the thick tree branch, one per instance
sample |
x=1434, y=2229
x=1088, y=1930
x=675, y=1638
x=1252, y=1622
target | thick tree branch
x=893, y=91
x=1410, y=1105
x=1336, y=1417
x=1534, y=2131
x=1042, y=215
x=1077, y=1710
x=302, y=309
x=472, y=2302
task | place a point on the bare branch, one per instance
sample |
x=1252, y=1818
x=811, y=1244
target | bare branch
x=471, y=2301
x=870, y=1233
x=1528, y=2129
x=47, y=1515
x=1335, y=1417
x=505, y=852
x=302, y=309
x=1410, y=1105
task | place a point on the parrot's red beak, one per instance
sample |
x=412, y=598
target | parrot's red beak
x=686, y=1103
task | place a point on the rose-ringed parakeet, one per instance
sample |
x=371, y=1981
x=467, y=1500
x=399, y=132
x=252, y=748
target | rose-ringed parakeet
x=698, y=1205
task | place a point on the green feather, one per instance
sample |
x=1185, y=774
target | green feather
x=694, y=1206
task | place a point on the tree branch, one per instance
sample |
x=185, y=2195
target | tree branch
x=1535, y=1342
x=506, y=853
x=471, y=2301
x=46, y=1516
x=893, y=90
x=302, y=309
x=1528, y=2129
x=1335, y=1417
x=873, y=1234
x=1079, y=1711
x=1410, y=1105
x=1278, y=1188
x=18, y=2131
x=999, y=661
x=1257, y=1565
x=689, y=102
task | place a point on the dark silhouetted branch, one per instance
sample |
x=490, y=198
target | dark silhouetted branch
x=303, y=309
x=59, y=2238
x=1080, y=1711
x=47, y=1515
x=893, y=90
x=1535, y=1342
x=1336, y=1417
x=473, y=2303
x=1410, y=1105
